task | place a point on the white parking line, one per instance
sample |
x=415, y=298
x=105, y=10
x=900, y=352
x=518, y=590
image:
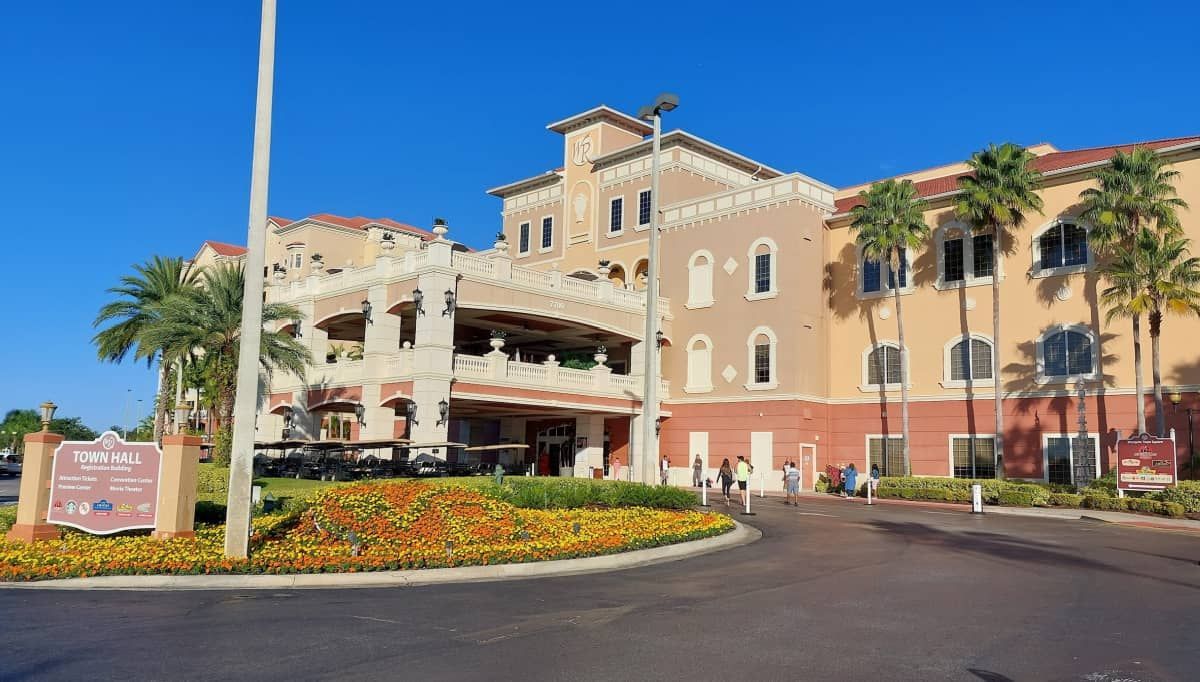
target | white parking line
x=817, y=514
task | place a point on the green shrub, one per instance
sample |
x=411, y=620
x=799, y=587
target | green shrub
x=8, y=516
x=212, y=482
x=558, y=493
x=210, y=512
x=222, y=451
x=1103, y=503
x=1065, y=500
x=1105, y=486
x=1016, y=498
x=1187, y=494
x=1150, y=506
x=959, y=490
x=934, y=494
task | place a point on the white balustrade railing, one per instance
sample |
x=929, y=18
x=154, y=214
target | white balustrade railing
x=527, y=372
x=473, y=264
x=471, y=365
x=579, y=287
x=532, y=278
x=576, y=378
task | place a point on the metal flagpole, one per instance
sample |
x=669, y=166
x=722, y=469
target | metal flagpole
x=237, y=524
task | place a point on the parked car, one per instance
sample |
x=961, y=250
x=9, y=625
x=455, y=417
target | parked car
x=10, y=464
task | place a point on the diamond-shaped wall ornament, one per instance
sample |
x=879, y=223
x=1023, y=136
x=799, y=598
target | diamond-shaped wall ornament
x=729, y=374
x=730, y=266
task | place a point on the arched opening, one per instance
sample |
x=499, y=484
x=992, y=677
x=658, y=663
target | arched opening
x=639, y=275
x=699, y=364
x=616, y=275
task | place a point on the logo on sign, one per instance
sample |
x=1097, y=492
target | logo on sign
x=108, y=442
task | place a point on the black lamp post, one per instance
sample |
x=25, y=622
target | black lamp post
x=359, y=413
x=449, y=310
x=296, y=333
x=1083, y=463
x=366, y=310
x=419, y=301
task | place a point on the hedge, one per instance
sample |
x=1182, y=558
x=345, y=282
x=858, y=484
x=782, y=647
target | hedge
x=1065, y=500
x=1140, y=504
x=1187, y=494
x=959, y=490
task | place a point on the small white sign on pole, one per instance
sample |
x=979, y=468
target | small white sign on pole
x=976, y=498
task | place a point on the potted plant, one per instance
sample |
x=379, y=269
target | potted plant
x=388, y=242
x=317, y=263
x=501, y=243
x=601, y=355
x=439, y=227
x=280, y=272
x=497, y=340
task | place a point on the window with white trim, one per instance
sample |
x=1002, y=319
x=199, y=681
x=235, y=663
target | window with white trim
x=523, y=238
x=877, y=277
x=616, y=214
x=883, y=366
x=644, y=207
x=699, y=367
x=1059, y=452
x=1061, y=248
x=969, y=360
x=762, y=279
x=965, y=258
x=886, y=452
x=762, y=356
x=297, y=260
x=1066, y=353
x=973, y=456
x=547, y=232
x=700, y=280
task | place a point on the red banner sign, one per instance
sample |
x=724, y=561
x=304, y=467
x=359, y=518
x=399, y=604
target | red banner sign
x=1145, y=463
x=105, y=486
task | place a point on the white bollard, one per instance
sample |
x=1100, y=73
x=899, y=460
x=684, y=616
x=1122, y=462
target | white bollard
x=704, y=492
x=870, y=484
x=749, y=494
x=976, y=498
x=762, y=485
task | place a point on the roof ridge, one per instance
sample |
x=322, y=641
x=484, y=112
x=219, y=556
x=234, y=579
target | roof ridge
x=1125, y=144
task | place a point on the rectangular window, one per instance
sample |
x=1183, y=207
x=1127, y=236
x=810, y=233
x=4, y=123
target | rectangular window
x=871, y=278
x=1067, y=354
x=616, y=210
x=298, y=261
x=644, y=207
x=1063, y=245
x=762, y=273
x=981, y=359
x=547, y=232
x=952, y=261
x=762, y=363
x=887, y=454
x=981, y=255
x=1060, y=454
x=974, y=457
x=523, y=238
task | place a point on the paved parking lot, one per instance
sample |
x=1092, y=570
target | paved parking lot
x=834, y=590
x=9, y=488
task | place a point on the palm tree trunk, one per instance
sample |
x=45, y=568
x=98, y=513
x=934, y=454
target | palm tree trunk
x=903, y=366
x=996, y=347
x=159, y=410
x=1155, y=331
x=1138, y=381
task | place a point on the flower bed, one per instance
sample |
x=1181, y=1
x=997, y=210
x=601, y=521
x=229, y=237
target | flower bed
x=372, y=526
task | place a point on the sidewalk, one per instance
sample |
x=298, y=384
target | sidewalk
x=1064, y=514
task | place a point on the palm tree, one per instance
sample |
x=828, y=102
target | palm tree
x=995, y=197
x=137, y=310
x=206, y=323
x=1155, y=277
x=888, y=225
x=1132, y=192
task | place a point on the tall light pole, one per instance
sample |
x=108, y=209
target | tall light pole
x=125, y=414
x=653, y=113
x=241, y=473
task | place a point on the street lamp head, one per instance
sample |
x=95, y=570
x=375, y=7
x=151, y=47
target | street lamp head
x=1176, y=397
x=48, y=409
x=366, y=310
x=665, y=102
x=360, y=411
x=419, y=300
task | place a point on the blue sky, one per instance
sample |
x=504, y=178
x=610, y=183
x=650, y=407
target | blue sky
x=126, y=127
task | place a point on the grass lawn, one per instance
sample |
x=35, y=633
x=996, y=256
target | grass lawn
x=290, y=487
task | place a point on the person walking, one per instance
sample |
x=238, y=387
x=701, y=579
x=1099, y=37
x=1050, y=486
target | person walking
x=743, y=478
x=851, y=478
x=665, y=475
x=874, y=480
x=697, y=471
x=616, y=468
x=791, y=476
x=725, y=473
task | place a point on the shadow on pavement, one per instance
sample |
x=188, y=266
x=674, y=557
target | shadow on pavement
x=996, y=545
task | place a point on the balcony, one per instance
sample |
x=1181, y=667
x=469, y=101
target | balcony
x=549, y=376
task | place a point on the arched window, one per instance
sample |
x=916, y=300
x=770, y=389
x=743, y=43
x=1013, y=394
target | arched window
x=699, y=367
x=1061, y=248
x=964, y=258
x=761, y=359
x=616, y=275
x=763, y=275
x=700, y=280
x=881, y=366
x=1065, y=353
x=968, y=361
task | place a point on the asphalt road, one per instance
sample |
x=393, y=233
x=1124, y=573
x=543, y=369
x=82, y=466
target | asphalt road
x=834, y=590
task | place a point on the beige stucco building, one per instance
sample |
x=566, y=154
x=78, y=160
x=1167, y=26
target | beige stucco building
x=779, y=341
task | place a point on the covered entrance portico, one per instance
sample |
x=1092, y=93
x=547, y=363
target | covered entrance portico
x=569, y=441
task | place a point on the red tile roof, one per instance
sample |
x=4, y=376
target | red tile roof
x=228, y=250
x=1045, y=163
x=359, y=222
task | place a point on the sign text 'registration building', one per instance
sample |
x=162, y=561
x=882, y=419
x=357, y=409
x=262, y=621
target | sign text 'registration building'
x=106, y=485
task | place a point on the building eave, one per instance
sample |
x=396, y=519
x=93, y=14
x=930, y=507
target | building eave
x=601, y=113
x=526, y=184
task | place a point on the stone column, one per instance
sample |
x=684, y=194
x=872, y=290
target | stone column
x=433, y=350
x=590, y=426
x=34, y=501
x=176, y=515
x=381, y=342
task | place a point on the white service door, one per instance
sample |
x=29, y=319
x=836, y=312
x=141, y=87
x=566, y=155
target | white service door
x=762, y=451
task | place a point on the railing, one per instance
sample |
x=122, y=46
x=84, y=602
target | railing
x=473, y=264
x=532, y=278
x=472, y=365
x=576, y=378
x=341, y=372
x=527, y=372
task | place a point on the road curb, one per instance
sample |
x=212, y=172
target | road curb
x=740, y=535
